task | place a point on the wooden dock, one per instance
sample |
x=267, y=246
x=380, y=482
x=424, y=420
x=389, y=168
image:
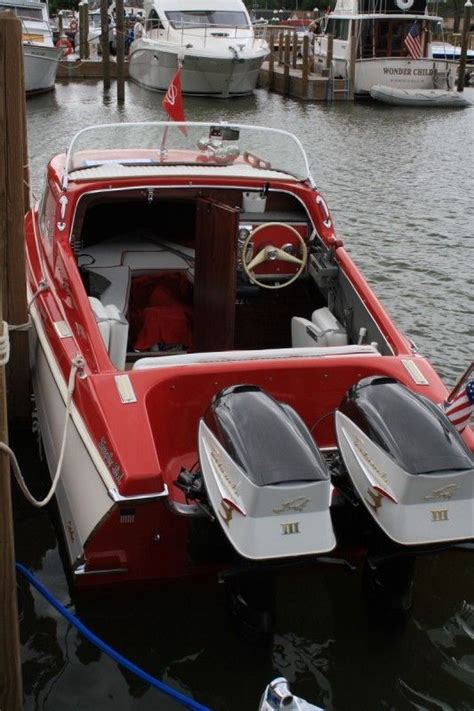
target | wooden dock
x=87, y=69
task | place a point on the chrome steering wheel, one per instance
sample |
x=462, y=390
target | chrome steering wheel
x=270, y=253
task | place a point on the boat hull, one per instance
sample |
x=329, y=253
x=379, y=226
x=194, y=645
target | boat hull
x=41, y=66
x=396, y=72
x=203, y=74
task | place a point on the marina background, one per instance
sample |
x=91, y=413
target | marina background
x=399, y=185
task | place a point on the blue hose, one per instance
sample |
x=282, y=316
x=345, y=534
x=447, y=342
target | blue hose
x=185, y=700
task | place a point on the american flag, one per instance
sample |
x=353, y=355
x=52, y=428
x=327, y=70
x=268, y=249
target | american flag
x=460, y=409
x=413, y=42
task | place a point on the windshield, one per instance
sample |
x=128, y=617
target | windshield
x=25, y=13
x=246, y=150
x=207, y=18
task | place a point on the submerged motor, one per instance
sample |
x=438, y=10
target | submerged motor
x=408, y=463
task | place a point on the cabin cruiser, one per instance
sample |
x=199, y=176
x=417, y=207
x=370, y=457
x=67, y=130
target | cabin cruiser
x=393, y=45
x=211, y=370
x=217, y=47
x=41, y=58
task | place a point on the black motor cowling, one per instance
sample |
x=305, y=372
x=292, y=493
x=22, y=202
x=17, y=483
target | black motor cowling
x=266, y=438
x=409, y=427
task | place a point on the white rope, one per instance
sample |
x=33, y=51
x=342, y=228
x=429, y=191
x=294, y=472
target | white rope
x=42, y=286
x=4, y=345
x=77, y=364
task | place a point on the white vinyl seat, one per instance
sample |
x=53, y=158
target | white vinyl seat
x=113, y=327
x=323, y=330
x=102, y=319
x=118, y=336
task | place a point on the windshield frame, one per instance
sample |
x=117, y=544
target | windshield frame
x=207, y=127
x=183, y=25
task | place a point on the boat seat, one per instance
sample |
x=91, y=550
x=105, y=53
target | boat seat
x=116, y=291
x=323, y=330
x=113, y=327
x=187, y=359
x=102, y=319
x=118, y=336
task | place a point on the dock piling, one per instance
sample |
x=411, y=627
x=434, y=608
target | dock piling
x=120, y=37
x=466, y=24
x=104, y=40
x=12, y=308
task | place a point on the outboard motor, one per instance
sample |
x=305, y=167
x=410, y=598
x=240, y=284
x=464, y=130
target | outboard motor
x=277, y=695
x=408, y=463
x=264, y=475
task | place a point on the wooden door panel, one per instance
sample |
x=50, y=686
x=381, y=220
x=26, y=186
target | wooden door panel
x=215, y=276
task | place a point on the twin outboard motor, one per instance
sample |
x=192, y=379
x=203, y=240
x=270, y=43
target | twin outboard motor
x=407, y=462
x=264, y=475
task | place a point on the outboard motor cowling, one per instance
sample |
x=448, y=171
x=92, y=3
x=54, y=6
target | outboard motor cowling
x=407, y=462
x=265, y=476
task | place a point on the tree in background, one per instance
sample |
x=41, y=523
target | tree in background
x=56, y=5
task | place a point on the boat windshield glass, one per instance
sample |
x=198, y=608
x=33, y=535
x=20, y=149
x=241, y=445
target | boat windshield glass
x=183, y=19
x=246, y=149
x=24, y=12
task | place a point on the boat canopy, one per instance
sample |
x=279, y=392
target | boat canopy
x=155, y=148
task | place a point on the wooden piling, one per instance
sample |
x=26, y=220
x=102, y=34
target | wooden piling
x=120, y=37
x=352, y=61
x=330, y=44
x=304, y=69
x=86, y=30
x=271, y=61
x=466, y=24
x=14, y=202
x=12, y=110
x=104, y=43
x=294, y=50
x=286, y=66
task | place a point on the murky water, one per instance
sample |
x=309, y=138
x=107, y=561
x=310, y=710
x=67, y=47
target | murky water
x=400, y=185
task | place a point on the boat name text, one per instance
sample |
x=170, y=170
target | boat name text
x=108, y=458
x=408, y=71
x=359, y=445
x=223, y=475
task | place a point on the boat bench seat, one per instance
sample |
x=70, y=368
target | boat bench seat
x=113, y=327
x=116, y=292
x=193, y=359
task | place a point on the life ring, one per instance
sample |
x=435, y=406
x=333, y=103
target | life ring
x=65, y=45
x=404, y=4
x=73, y=24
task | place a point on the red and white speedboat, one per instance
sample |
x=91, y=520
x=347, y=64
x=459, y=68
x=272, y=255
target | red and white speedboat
x=190, y=291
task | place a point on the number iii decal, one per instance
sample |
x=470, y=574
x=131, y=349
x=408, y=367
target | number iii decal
x=439, y=515
x=288, y=528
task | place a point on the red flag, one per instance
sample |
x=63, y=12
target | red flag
x=173, y=100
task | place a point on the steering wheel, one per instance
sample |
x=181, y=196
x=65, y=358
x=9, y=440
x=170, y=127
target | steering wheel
x=270, y=253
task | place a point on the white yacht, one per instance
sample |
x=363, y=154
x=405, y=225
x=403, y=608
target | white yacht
x=393, y=45
x=216, y=43
x=40, y=56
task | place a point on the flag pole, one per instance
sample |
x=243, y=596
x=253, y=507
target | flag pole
x=460, y=382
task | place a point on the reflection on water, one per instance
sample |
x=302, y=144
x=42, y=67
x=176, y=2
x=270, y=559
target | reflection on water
x=399, y=184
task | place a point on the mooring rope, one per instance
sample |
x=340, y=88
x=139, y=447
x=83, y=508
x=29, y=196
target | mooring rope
x=107, y=649
x=76, y=365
